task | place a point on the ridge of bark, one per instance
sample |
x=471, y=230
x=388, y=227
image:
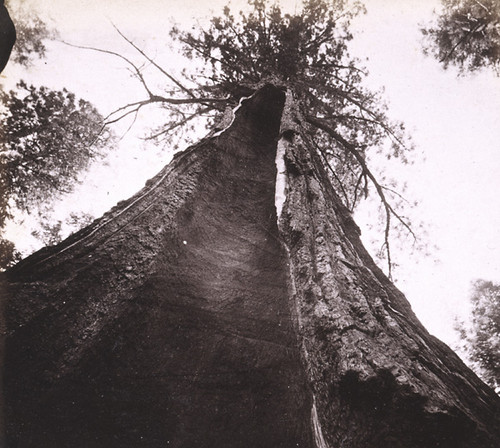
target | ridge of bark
x=369, y=360
x=191, y=314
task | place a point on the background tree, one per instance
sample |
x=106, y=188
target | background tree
x=51, y=232
x=8, y=253
x=466, y=34
x=482, y=336
x=48, y=138
x=31, y=33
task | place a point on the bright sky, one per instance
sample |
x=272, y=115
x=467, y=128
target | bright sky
x=455, y=124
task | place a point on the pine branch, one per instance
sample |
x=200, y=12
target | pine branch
x=389, y=210
x=334, y=174
x=377, y=119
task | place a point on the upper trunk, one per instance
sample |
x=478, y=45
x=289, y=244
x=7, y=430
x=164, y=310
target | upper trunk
x=188, y=317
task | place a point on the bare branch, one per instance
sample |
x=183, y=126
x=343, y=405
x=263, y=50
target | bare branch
x=152, y=61
x=179, y=123
x=330, y=168
x=122, y=108
x=125, y=114
x=137, y=71
x=396, y=193
x=131, y=124
x=389, y=210
x=460, y=42
x=152, y=97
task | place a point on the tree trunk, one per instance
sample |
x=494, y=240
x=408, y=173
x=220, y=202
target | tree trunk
x=195, y=315
x=7, y=35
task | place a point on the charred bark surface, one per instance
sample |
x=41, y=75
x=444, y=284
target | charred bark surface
x=168, y=322
x=379, y=378
x=188, y=317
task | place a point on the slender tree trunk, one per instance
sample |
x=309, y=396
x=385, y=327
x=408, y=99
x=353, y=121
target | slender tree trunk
x=194, y=315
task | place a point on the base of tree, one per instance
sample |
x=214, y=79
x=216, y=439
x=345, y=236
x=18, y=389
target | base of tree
x=191, y=316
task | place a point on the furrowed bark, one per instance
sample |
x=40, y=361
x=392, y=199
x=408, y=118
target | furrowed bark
x=379, y=379
x=191, y=316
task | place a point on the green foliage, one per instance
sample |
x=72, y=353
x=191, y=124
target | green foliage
x=467, y=35
x=482, y=337
x=52, y=231
x=47, y=139
x=8, y=254
x=306, y=52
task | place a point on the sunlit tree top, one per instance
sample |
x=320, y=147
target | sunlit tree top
x=306, y=53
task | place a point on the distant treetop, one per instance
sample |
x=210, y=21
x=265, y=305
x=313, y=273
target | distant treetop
x=466, y=35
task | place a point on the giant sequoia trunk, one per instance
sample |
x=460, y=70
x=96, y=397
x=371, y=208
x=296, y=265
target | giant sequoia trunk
x=195, y=315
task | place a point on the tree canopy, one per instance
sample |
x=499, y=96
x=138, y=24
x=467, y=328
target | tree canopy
x=482, y=336
x=306, y=52
x=466, y=34
x=49, y=137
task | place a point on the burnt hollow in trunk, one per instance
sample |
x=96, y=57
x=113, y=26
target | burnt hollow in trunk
x=191, y=315
x=197, y=350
